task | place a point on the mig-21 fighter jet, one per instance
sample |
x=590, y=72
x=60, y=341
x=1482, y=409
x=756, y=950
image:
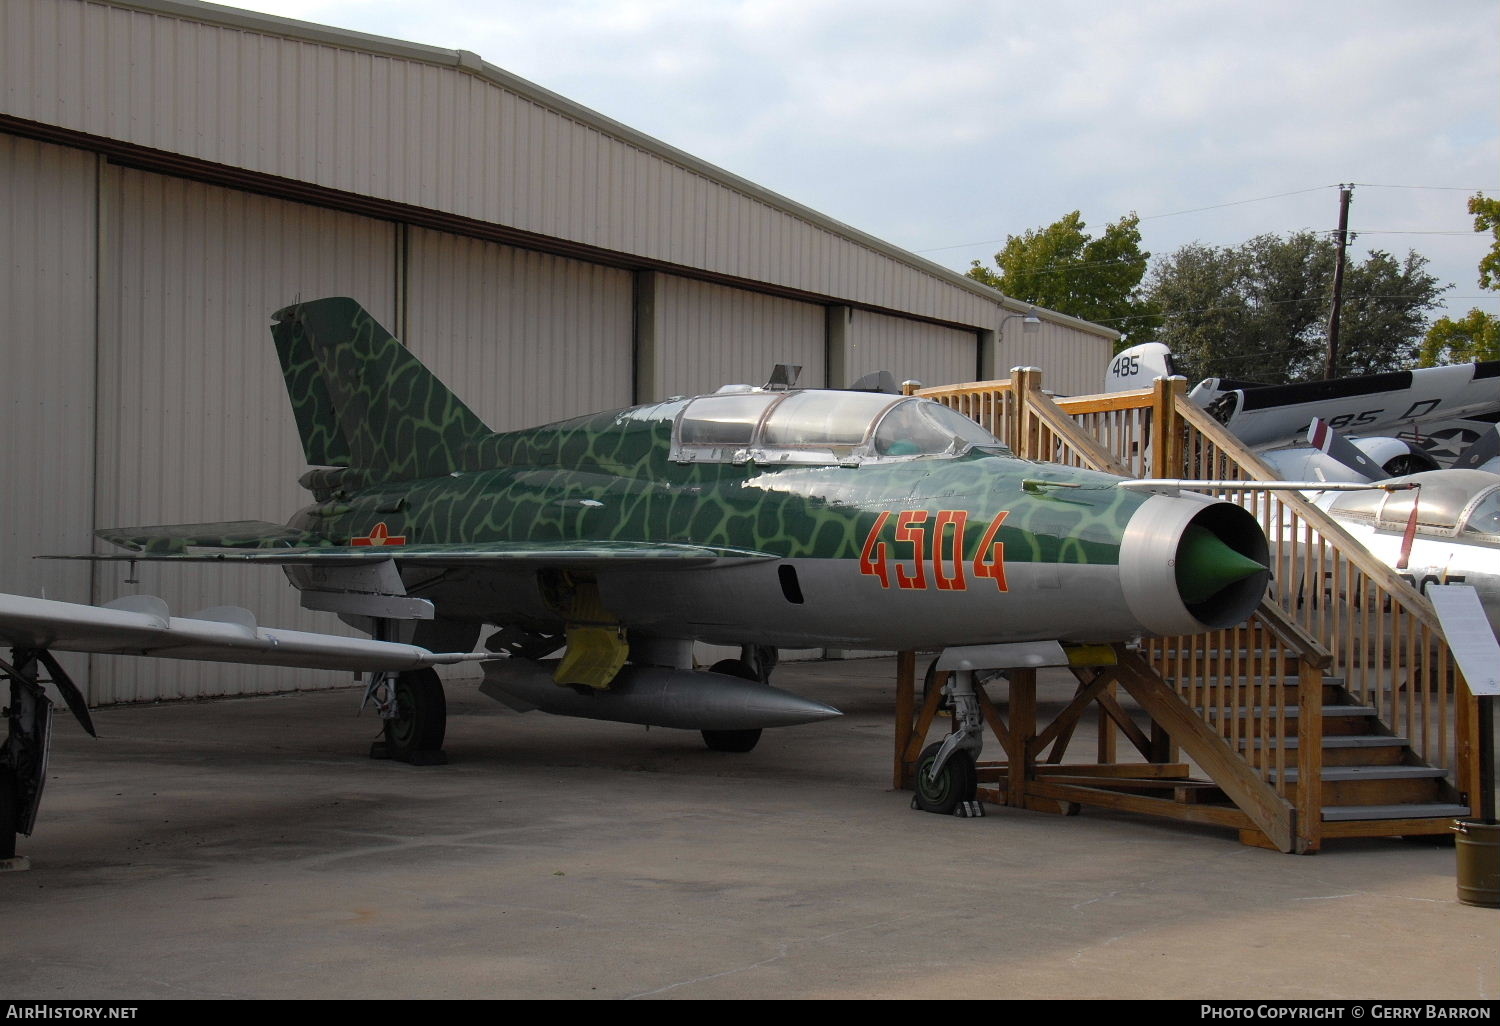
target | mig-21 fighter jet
x=757, y=517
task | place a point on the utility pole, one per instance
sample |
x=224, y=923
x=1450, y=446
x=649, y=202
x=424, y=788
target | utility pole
x=1330, y=368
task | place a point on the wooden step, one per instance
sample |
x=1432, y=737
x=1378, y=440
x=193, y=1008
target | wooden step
x=1290, y=683
x=1347, y=749
x=1372, y=785
x=1333, y=689
x=1338, y=719
x=1368, y=773
x=1336, y=741
x=1290, y=680
x=1430, y=810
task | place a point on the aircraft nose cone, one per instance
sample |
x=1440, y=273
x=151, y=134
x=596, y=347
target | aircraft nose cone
x=1205, y=565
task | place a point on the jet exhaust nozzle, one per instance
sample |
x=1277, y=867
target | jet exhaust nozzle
x=1190, y=563
x=653, y=696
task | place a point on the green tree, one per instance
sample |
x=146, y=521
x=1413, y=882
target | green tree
x=1475, y=336
x=1385, y=312
x=1259, y=311
x=1063, y=268
x=1487, y=219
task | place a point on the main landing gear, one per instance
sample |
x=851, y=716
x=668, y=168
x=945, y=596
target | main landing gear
x=755, y=663
x=23, y=749
x=417, y=720
x=732, y=740
x=411, y=704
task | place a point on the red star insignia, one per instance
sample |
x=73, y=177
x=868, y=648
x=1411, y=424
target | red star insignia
x=379, y=535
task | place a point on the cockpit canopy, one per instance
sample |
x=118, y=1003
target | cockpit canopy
x=817, y=426
x=1461, y=503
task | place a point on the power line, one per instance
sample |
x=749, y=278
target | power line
x=1081, y=265
x=1238, y=203
x=1435, y=188
x=1149, y=217
x=1255, y=199
x=1414, y=231
x=1250, y=306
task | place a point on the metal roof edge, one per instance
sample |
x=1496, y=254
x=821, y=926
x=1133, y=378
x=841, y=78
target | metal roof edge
x=471, y=63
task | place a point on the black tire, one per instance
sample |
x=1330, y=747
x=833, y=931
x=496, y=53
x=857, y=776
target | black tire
x=9, y=812
x=732, y=740
x=422, y=715
x=958, y=781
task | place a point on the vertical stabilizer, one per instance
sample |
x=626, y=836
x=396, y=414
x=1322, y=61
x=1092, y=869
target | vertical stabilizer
x=1138, y=366
x=361, y=398
x=317, y=421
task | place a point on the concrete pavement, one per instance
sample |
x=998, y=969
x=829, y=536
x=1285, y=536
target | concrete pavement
x=248, y=848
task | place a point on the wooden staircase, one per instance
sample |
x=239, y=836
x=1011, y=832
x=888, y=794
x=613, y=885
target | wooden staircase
x=1337, y=711
x=1371, y=780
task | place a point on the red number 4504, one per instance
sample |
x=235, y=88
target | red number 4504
x=916, y=545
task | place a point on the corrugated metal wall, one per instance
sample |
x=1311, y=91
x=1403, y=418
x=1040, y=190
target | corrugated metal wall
x=403, y=123
x=47, y=219
x=929, y=353
x=1072, y=362
x=192, y=419
x=194, y=423
x=147, y=297
x=710, y=335
x=523, y=338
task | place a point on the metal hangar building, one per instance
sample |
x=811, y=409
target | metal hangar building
x=172, y=172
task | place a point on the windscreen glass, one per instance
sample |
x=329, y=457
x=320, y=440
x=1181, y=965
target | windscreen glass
x=1484, y=518
x=917, y=428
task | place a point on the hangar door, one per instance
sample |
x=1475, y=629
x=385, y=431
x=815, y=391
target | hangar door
x=1072, y=362
x=711, y=335
x=524, y=338
x=194, y=422
x=47, y=217
x=930, y=353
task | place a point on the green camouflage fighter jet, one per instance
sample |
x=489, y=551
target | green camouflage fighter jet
x=757, y=517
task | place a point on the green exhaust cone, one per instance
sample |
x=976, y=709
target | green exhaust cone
x=1205, y=565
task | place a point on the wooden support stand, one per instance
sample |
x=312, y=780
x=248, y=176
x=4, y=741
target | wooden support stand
x=1034, y=776
x=1337, y=710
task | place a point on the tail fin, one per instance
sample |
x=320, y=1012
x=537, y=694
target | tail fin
x=1138, y=366
x=361, y=398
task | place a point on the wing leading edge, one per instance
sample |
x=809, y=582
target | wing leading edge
x=142, y=625
x=213, y=546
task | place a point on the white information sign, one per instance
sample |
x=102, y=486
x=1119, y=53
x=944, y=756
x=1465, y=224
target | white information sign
x=1469, y=636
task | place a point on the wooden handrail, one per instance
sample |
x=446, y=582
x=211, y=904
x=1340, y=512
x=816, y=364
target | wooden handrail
x=1077, y=439
x=1106, y=403
x=940, y=392
x=1324, y=524
x=1333, y=606
x=1291, y=634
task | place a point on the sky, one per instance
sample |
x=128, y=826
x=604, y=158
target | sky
x=943, y=127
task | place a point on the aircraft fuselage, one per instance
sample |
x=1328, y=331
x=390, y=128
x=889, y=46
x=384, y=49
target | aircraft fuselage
x=919, y=552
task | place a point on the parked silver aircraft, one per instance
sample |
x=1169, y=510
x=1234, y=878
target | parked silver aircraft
x=1407, y=421
x=1456, y=529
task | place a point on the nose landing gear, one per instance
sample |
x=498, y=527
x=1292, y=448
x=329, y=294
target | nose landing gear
x=947, y=777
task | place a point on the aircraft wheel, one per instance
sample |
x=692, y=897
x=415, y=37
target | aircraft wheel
x=958, y=781
x=732, y=740
x=9, y=813
x=422, y=716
